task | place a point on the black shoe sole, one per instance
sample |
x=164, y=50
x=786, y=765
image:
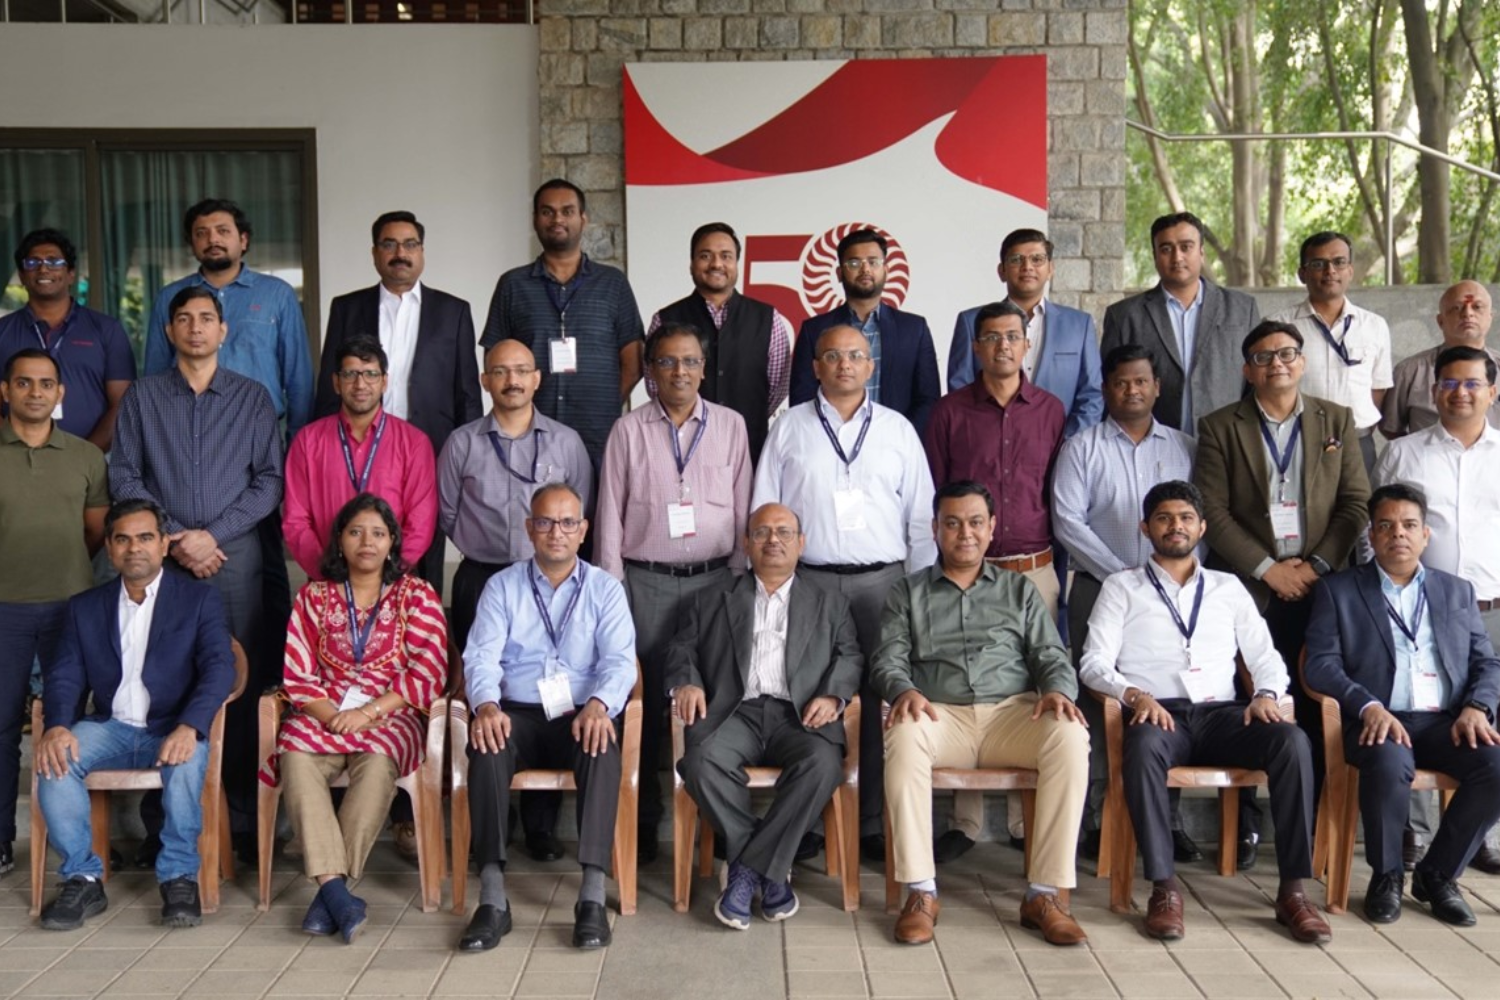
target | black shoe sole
x=182, y=920
x=92, y=910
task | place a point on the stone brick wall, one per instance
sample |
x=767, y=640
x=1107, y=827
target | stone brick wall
x=584, y=44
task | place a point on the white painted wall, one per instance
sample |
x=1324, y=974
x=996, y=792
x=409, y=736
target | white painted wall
x=437, y=119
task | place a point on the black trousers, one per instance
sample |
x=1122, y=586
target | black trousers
x=1385, y=775
x=1215, y=735
x=764, y=732
x=536, y=742
x=468, y=583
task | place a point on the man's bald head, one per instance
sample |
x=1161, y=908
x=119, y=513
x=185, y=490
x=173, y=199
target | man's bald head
x=510, y=376
x=1464, y=315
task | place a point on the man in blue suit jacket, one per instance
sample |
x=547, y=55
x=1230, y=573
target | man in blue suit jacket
x=1404, y=651
x=906, y=373
x=1064, y=358
x=153, y=649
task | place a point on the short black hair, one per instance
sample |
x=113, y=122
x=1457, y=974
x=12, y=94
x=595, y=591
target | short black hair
x=997, y=309
x=859, y=236
x=1016, y=237
x=1397, y=493
x=1460, y=354
x=40, y=237
x=188, y=294
x=1264, y=329
x=212, y=206
x=1125, y=354
x=669, y=329
x=336, y=568
x=542, y=491
x=365, y=348
x=558, y=184
x=386, y=218
x=28, y=354
x=121, y=509
x=1176, y=219
x=708, y=229
x=1172, y=489
x=1322, y=238
x=962, y=488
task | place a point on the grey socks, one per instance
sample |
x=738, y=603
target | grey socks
x=492, y=886
x=593, y=885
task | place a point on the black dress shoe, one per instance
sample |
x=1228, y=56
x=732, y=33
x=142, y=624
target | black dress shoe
x=1184, y=851
x=872, y=847
x=951, y=846
x=1442, y=894
x=646, y=847
x=544, y=847
x=809, y=847
x=1247, y=852
x=1487, y=860
x=1412, y=850
x=1383, y=898
x=590, y=925
x=488, y=925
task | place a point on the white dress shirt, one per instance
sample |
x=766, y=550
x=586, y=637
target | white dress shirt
x=1134, y=642
x=799, y=468
x=1463, y=500
x=768, y=648
x=1036, y=332
x=132, y=700
x=1365, y=337
x=400, y=316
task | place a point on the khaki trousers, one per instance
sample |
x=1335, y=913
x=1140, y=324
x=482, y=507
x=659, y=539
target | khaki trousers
x=337, y=844
x=990, y=735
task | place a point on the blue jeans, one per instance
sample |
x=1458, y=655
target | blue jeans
x=109, y=745
x=28, y=633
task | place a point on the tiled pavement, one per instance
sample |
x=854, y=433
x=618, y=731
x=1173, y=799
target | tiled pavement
x=1233, y=947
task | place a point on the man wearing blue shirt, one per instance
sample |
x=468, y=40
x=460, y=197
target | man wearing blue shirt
x=549, y=666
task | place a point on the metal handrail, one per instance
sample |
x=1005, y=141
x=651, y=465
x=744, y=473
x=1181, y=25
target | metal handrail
x=1389, y=138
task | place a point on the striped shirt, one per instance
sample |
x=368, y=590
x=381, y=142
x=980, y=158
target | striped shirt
x=768, y=647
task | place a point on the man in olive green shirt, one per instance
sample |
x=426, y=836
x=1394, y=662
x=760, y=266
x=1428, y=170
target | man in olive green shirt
x=54, y=491
x=976, y=676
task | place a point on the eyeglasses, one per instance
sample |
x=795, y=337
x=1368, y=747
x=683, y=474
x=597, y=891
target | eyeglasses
x=832, y=357
x=369, y=375
x=1034, y=259
x=544, y=525
x=668, y=364
x=1286, y=355
x=763, y=534
x=37, y=263
x=390, y=246
x=502, y=371
x=856, y=264
x=975, y=523
x=1325, y=263
x=995, y=338
x=1467, y=384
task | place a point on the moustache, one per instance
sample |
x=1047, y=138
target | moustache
x=400, y=262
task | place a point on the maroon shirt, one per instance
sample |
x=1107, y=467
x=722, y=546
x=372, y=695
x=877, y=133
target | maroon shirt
x=1009, y=450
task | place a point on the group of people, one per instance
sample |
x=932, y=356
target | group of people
x=1202, y=478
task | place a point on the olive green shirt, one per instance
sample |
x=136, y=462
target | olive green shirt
x=963, y=647
x=43, y=494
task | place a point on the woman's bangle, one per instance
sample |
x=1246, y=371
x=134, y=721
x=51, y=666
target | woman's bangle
x=372, y=718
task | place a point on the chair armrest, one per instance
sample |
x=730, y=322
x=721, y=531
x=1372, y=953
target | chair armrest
x=458, y=739
x=241, y=671
x=851, y=740
x=1333, y=719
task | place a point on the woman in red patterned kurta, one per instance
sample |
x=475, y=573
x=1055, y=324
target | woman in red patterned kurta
x=359, y=692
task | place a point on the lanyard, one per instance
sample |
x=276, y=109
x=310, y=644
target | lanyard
x=41, y=330
x=1416, y=618
x=859, y=442
x=682, y=463
x=1338, y=345
x=1282, y=460
x=362, y=480
x=359, y=638
x=1187, y=629
x=555, y=634
x=535, y=457
x=556, y=291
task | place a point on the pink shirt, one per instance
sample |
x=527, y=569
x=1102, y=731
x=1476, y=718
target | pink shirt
x=318, y=485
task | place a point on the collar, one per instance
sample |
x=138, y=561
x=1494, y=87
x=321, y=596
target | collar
x=1154, y=568
x=699, y=411
x=180, y=382
x=1388, y=586
x=386, y=295
x=1040, y=309
x=1490, y=435
x=151, y=589
x=821, y=401
x=8, y=435
x=988, y=572
x=483, y=428
x=1027, y=393
x=1295, y=414
x=858, y=323
x=541, y=578
x=539, y=269
x=343, y=420
x=779, y=594
x=246, y=277
x=1112, y=426
x=1305, y=311
x=1172, y=299
x=73, y=308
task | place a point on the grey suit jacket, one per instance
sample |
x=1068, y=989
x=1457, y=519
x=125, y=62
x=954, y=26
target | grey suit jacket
x=713, y=651
x=1215, y=372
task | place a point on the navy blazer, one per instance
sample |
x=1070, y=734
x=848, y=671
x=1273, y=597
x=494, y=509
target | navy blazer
x=189, y=668
x=1069, y=367
x=908, y=362
x=1351, y=654
x=442, y=389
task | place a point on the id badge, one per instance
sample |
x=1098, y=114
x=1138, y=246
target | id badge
x=354, y=698
x=681, y=521
x=556, y=694
x=849, y=508
x=562, y=355
x=1285, y=522
x=57, y=411
x=1200, y=687
x=1426, y=688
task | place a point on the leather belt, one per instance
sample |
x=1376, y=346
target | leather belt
x=1023, y=564
x=847, y=569
x=1489, y=605
x=679, y=569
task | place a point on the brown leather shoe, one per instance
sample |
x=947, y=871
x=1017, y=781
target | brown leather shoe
x=1164, y=915
x=918, y=917
x=1297, y=914
x=1057, y=925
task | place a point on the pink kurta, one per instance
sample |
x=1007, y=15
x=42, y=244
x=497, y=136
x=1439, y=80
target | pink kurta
x=407, y=653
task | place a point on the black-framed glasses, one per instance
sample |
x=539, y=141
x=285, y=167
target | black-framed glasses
x=567, y=525
x=1286, y=355
x=367, y=375
x=1324, y=263
x=391, y=246
x=37, y=263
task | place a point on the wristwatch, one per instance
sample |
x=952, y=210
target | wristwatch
x=1266, y=693
x=1320, y=565
x=1489, y=713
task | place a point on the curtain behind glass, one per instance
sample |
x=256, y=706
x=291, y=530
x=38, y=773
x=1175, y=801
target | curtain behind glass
x=40, y=188
x=146, y=193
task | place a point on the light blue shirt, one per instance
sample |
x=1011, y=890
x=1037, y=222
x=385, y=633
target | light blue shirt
x=1404, y=600
x=1098, y=485
x=267, y=339
x=1185, y=330
x=871, y=329
x=508, y=649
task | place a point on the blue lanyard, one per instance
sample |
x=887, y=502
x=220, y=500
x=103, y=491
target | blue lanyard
x=682, y=463
x=1283, y=460
x=1191, y=625
x=535, y=456
x=362, y=480
x=1337, y=345
x=859, y=442
x=563, y=296
x=359, y=638
x=1416, y=618
x=41, y=330
x=555, y=634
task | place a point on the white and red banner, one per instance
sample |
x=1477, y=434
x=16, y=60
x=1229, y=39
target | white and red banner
x=942, y=156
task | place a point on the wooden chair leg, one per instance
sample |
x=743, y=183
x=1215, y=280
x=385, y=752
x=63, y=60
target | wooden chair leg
x=833, y=846
x=1229, y=831
x=849, y=851
x=684, y=816
x=458, y=806
x=427, y=821
x=1341, y=864
x=1122, y=859
x=1320, y=835
x=837, y=817
x=625, y=868
x=99, y=825
x=38, y=849
x=267, y=799
x=892, y=890
x=226, y=840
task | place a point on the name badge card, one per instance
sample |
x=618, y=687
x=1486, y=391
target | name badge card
x=1285, y=522
x=681, y=521
x=354, y=698
x=1200, y=687
x=563, y=355
x=555, y=691
x=849, y=508
x=1426, y=688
